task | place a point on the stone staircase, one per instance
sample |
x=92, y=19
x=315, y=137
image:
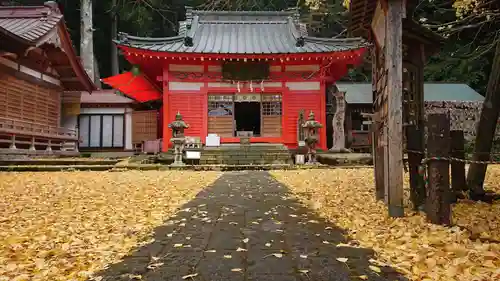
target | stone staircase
x=236, y=154
x=254, y=154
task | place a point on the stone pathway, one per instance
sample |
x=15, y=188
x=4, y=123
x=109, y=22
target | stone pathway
x=246, y=226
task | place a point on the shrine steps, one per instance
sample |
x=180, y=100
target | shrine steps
x=236, y=154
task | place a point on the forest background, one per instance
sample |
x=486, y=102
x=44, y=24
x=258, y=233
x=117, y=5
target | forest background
x=471, y=29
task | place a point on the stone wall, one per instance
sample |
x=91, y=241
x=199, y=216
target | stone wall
x=463, y=115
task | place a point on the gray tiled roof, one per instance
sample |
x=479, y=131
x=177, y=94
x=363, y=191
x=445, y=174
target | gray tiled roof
x=362, y=92
x=29, y=23
x=241, y=33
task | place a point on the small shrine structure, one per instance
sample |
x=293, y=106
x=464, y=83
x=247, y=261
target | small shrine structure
x=401, y=47
x=235, y=74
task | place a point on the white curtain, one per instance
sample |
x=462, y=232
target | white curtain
x=107, y=131
x=84, y=130
x=118, y=131
x=95, y=131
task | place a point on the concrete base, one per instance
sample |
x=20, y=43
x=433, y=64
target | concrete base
x=118, y=154
x=7, y=153
x=345, y=158
x=341, y=150
x=156, y=167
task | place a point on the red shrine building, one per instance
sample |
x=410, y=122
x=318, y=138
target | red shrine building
x=237, y=73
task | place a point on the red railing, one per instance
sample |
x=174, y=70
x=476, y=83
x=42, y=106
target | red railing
x=25, y=128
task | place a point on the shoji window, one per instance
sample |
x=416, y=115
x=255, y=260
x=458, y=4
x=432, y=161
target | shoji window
x=102, y=130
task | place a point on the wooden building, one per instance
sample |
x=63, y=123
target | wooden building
x=401, y=47
x=105, y=123
x=237, y=73
x=110, y=122
x=41, y=80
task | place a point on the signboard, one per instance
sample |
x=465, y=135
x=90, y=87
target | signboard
x=378, y=25
x=193, y=155
x=247, y=98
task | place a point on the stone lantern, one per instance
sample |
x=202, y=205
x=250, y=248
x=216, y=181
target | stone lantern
x=178, y=138
x=311, y=127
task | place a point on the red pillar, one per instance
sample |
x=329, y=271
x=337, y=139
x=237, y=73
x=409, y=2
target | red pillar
x=166, y=111
x=322, y=116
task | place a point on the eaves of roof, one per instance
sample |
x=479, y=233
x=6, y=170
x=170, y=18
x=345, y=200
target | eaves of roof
x=30, y=23
x=35, y=25
x=243, y=32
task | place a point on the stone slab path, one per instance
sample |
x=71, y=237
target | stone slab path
x=247, y=226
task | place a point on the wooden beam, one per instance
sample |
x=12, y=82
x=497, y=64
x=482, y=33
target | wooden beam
x=394, y=66
x=27, y=77
x=63, y=68
x=8, y=55
x=69, y=79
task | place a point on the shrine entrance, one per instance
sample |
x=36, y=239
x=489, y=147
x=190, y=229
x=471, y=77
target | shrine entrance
x=247, y=118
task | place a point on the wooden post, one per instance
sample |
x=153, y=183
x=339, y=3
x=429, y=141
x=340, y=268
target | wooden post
x=378, y=151
x=417, y=187
x=49, y=147
x=76, y=147
x=32, y=146
x=13, y=142
x=394, y=66
x=438, y=206
x=458, y=181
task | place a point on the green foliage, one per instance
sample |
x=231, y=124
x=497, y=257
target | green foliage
x=464, y=58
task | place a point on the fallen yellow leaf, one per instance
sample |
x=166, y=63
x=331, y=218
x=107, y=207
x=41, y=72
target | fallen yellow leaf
x=375, y=268
x=189, y=276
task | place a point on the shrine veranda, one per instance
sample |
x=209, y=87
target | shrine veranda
x=237, y=74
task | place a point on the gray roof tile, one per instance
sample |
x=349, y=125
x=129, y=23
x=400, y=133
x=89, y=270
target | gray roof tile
x=244, y=32
x=29, y=23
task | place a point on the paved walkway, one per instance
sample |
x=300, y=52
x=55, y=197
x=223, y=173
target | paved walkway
x=246, y=226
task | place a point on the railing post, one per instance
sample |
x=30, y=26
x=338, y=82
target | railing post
x=13, y=142
x=49, y=147
x=76, y=146
x=32, y=146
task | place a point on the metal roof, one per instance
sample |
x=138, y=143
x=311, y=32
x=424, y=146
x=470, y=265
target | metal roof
x=241, y=32
x=362, y=92
x=29, y=23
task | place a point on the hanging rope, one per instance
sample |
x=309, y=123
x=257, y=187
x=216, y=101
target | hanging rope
x=424, y=167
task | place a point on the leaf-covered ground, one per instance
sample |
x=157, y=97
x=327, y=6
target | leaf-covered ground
x=65, y=225
x=420, y=250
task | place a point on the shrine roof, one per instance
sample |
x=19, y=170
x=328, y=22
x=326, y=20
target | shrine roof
x=44, y=27
x=241, y=32
x=30, y=23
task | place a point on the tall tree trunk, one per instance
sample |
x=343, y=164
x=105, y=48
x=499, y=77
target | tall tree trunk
x=87, y=38
x=485, y=130
x=114, y=33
